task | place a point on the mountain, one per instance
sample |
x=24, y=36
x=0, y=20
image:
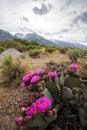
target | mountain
x=69, y=44
x=35, y=37
x=5, y=35
x=19, y=35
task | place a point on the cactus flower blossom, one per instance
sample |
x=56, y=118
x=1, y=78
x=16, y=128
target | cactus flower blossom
x=73, y=67
x=27, y=78
x=35, y=79
x=52, y=74
x=19, y=121
x=42, y=71
x=43, y=104
x=31, y=111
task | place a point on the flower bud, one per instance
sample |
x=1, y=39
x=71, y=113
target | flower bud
x=26, y=119
x=23, y=109
x=50, y=113
x=54, y=111
x=19, y=121
x=40, y=89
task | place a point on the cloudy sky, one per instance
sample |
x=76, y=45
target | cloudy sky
x=54, y=19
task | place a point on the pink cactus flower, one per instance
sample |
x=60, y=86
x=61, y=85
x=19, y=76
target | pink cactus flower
x=31, y=111
x=35, y=73
x=27, y=78
x=24, y=86
x=73, y=67
x=43, y=104
x=30, y=86
x=52, y=74
x=19, y=121
x=42, y=71
x=36, y=94
x=35, y=79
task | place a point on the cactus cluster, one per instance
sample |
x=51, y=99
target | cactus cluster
x=61, y=89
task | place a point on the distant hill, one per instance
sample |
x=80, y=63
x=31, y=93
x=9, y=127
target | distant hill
x=69, y=44
x=41, y=40
x=5, y=35
x=38, y=38
x=19, y=35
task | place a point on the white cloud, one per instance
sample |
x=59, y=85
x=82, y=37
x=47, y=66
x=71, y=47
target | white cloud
x=16, y=15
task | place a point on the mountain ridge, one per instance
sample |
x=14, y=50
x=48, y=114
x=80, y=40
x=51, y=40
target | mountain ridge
x=40, y=39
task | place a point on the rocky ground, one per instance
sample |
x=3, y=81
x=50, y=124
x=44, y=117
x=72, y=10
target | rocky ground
x=11, y=97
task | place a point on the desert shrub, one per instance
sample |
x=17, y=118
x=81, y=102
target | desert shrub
x=33, y=47
x=7, y=60
x=84, y=65
x=12, y=72
x=22, y=48
x=73, y=54
x=83, y=54
x=1, y=49
x=34, y=43
x=12, y=44
x=22, y=41
x=22, y=55
x=63, y=49
x=50, y=49
x=34, y=52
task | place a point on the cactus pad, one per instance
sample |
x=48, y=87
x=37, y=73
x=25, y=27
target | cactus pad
x=53, y=89
x=72, y=82
x=67, y=93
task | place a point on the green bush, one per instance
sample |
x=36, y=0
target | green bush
x=74, y=54
x=50, y=49
x=83, y=53
x=33, y=43
x=22, y=55
x=29, y=47
x=22, y=41
x=63, y=49
x=22, y=48
x=35, y=52
x=1, y=49
x=7, y=60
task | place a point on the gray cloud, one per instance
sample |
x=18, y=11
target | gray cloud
x=64, y=30
x=68, y=2
x=64, y=5
x=82, y=17
x=72, y=12
x=43, y=10
x=24, y=19
x=25, y=29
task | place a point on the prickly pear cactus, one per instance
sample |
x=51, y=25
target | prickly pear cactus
x=53, y=89
x=61, y=79
x=71, y=82
x=67, y=93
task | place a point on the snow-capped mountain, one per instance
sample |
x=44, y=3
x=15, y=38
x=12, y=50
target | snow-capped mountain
x=35, y=37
